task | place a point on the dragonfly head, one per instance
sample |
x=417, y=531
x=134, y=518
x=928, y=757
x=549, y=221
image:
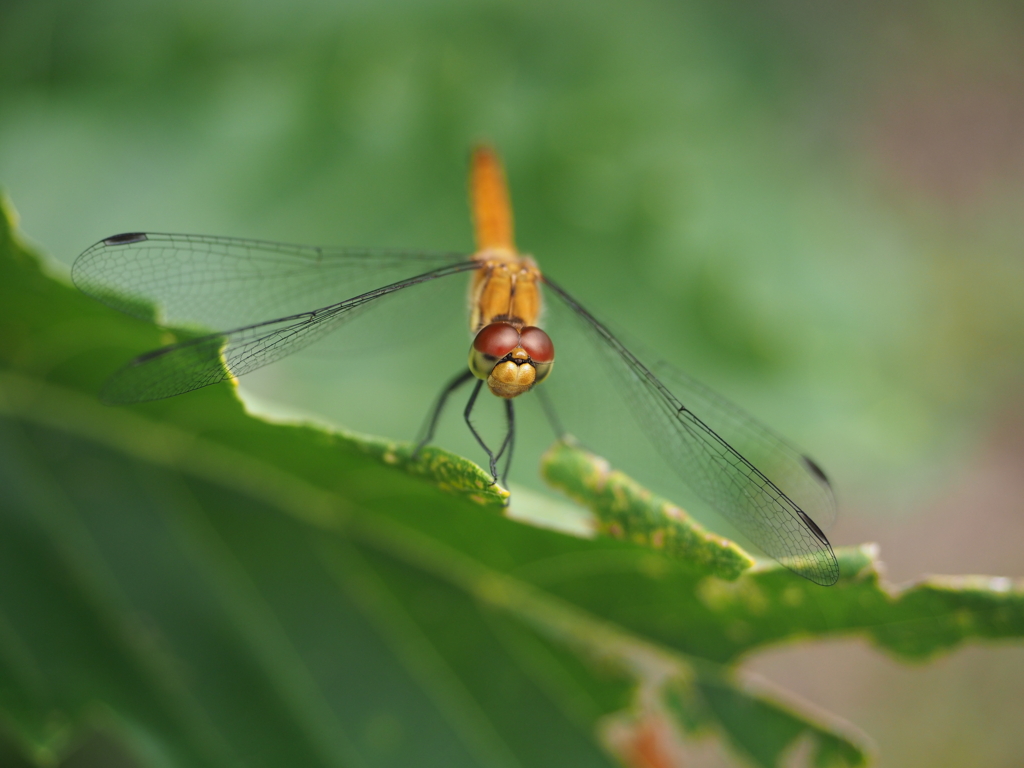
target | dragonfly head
x=511, y=361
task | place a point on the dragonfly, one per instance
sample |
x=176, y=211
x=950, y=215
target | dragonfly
x=272, y=299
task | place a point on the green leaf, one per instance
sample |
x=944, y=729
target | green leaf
x=625, y=510
x=215, y=589
x=755, y=719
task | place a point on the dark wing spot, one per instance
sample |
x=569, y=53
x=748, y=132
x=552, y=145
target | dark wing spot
x=812, y=525
x=817, y=471
x=152, y=355
x=127, y=237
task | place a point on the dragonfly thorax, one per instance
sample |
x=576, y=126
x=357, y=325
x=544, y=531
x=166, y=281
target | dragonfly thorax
x=506, y=289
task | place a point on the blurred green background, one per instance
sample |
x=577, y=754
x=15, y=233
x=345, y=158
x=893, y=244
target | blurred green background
x=816, y=208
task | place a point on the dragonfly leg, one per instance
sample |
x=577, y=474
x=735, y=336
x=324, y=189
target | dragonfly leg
x=430, y=426
x=509, y=442
x=469, y=423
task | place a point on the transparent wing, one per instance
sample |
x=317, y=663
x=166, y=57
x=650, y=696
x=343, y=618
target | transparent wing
x=213, y=283
x=791, y=470
x=764, y=486
x=208, y=282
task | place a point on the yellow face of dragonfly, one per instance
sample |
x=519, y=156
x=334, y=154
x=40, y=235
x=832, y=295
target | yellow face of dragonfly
x=511, y=361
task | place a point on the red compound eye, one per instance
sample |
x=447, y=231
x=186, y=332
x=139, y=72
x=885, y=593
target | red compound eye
x=496, y=340
x=537, y=344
